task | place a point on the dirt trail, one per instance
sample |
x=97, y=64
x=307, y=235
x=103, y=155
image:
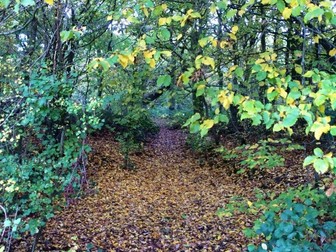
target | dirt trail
x=167, y=204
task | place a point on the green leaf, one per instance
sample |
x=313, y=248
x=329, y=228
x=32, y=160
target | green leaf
x=261, y=75
x=291, y=117
x=7, y=223
x=26, y=3
x=204, y=131
x=296, y=11
x=309, y=160
x=5, y=3
x=318, y=152
x=277, y=127
x=321, y=165
x=317, y=12
x=308, y=74
x=333, y=130
x=66, y=35
x=194, y=127
x=164, y=34
x=281, y=5
x=222, y=5
x=231, y=13
x=239, y=72
x=105, y=65
x=223, y=118
x=164, y=80
x=200, y=90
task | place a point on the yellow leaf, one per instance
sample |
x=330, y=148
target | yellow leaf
x=152, y=63
x=164, y=6
x=273, y=56
x=234, y=67
x=224, y=99
x=208, y=61
x=131, y=58
x=50, y=2
x=109, y=18
x=123, y=60
x=258, y=61
x=290, y=101
x=213, y=8
x=234, y=29
x=148, y=54
x=329, y=155
x=142, y=44
x=145, y=11
x=167, y=53
x=319, y=128
x=232, y=36
x=287, y=13
x=203, y=41
x=294, y=3
x=332, y=52
x=321, y=108
x=162, y=21
x=249, y=203
x=298, y=69
x=266, y=1
x=179, y=36
x=184, y=20
x=270, y=89
x=214, y=42
x=217, y=111
x=316, y=39
x=208, y=124
x=241, y=12
x=223, y=43
x=283, y=93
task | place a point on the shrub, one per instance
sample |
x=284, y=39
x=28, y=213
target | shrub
x=297, y=220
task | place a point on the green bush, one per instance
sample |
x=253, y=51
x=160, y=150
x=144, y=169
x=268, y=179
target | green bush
x=262, y=155
x=297, y=220
x=43, y=155
x=131, y=124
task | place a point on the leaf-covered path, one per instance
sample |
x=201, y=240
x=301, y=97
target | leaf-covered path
x=167, y=204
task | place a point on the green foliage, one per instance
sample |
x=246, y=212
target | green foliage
x=132, y=124
x=297, y=220
x=261, y=155
x=200, y=145
x=43, y=153
x=274, y=64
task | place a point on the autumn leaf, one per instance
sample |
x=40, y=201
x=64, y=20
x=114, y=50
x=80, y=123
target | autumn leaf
x=234, y=29
x=208, y=124
x=332, y=52
x=202, y=42
x=287, y=13
x=208, y=61
x=50, y=2
x=331, y=190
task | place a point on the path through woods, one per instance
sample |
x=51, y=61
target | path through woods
x=167, y=204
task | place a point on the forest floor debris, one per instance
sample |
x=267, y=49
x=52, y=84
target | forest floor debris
x=168, y=203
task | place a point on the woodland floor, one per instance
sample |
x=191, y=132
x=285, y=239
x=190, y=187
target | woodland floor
x=168, y=203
